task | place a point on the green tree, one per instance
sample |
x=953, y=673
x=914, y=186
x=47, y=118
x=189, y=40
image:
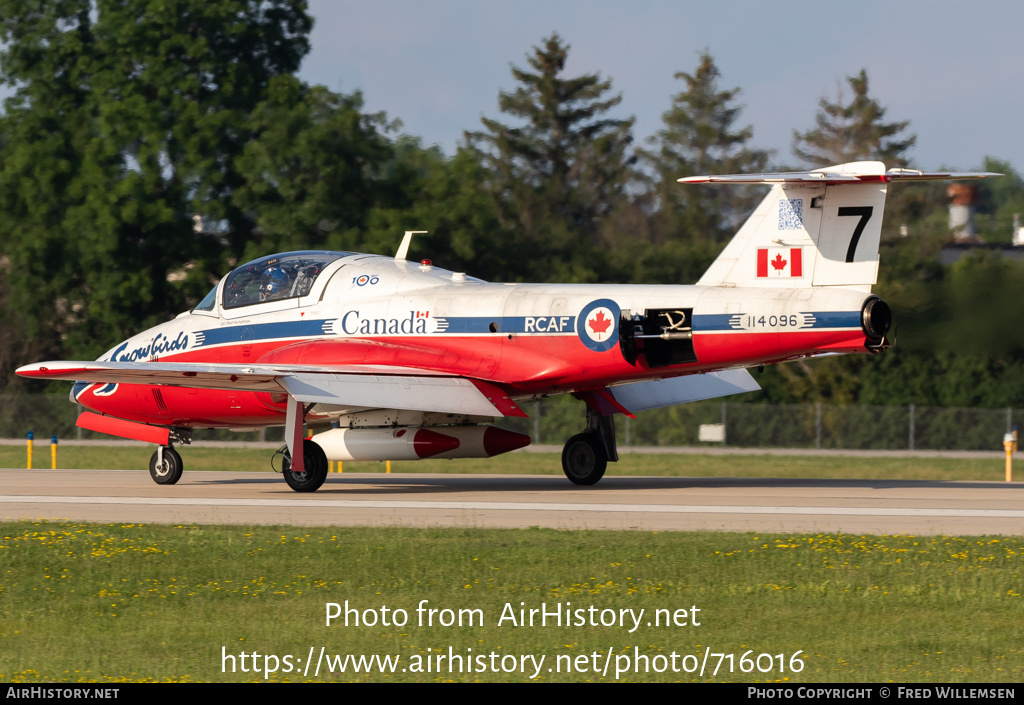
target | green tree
x=689, y=225
x=852, y=131
x=441, y=195
x=313, y=170
x=43, y=134
x=120, y=140
x=998, y=200
x=847, y=132
x=557, y=176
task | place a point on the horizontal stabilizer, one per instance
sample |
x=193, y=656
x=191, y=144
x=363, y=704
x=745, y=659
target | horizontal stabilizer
x=851, y=173
x=642, y=396
x=895, y=174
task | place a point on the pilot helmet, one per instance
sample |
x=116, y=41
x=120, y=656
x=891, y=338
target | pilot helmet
x=274, y=283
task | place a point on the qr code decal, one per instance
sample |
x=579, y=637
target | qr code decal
x=791, y=214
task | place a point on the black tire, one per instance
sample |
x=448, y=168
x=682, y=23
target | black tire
x=584, y=459
x=316, y=469
x=170, y=471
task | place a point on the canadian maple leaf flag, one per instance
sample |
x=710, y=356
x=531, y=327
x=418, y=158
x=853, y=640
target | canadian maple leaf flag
x=599, y=323
x=780, y=262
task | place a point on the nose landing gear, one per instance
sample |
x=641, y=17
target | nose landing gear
x=165, y=466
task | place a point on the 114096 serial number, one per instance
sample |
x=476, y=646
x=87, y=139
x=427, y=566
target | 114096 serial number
x=792, y=320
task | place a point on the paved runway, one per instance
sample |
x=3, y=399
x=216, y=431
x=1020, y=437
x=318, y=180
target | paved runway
x=644, y=503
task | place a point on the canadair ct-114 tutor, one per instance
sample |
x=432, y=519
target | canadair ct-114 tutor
x=402, y=360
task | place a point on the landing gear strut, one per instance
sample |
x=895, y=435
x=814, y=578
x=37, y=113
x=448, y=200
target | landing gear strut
x=165, y=466
x=315, y=463
x=310, y=460
x=585, y=456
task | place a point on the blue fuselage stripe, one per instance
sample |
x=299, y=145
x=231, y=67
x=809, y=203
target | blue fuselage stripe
x=732, y=321
x=509, y=324
x=471, y=325
x=264, y=331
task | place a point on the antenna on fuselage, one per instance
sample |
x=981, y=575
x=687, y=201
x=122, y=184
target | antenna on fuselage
x=403, y=249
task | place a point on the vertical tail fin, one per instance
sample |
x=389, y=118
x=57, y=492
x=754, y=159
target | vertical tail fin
x=818, y=228
x=814, y=228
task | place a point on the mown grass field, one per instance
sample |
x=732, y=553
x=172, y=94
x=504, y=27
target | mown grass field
x=109, y=603
x=258, y=459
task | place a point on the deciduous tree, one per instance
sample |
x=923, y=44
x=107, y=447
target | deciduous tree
x=313, y=171
x=118, y=153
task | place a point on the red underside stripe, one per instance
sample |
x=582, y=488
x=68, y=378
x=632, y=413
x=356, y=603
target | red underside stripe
x=516, y=371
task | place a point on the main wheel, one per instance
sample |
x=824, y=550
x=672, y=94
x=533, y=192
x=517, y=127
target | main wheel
x=169, y=471
x=584, y=459
x=315, y=472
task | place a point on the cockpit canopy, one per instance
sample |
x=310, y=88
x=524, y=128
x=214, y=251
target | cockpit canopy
x=283, y=276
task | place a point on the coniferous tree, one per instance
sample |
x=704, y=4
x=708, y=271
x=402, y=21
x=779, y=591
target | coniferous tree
x=846, y=132
x=558, y=174
x=853, y=131
x=690, y=224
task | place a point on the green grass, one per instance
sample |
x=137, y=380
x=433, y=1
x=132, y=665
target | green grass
x=115, y=602
x=127, y=458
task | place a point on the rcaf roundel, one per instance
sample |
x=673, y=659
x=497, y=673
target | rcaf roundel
x=780, y=262
x=598, y=325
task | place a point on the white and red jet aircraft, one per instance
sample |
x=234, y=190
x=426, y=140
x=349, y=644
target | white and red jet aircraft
x=407, y=360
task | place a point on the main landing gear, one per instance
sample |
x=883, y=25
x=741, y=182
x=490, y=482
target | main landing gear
x=165, y=466
x=586, y=455
x=315, y=468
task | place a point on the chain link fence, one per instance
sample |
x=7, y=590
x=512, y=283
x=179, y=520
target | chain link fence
x=784, y=426
x=552, y=421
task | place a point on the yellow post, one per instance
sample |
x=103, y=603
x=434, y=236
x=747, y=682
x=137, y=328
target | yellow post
x=340, y=468
x=53, y=452
x=1008, y=443
x=388, y=466
x=30, y=435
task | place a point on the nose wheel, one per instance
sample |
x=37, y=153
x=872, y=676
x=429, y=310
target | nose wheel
x=165, y=466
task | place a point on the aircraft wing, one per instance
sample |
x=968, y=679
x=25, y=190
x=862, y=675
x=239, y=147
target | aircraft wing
x=372, y=386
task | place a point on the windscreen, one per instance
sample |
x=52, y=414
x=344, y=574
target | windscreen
x=208, y=302
x=284, y=276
